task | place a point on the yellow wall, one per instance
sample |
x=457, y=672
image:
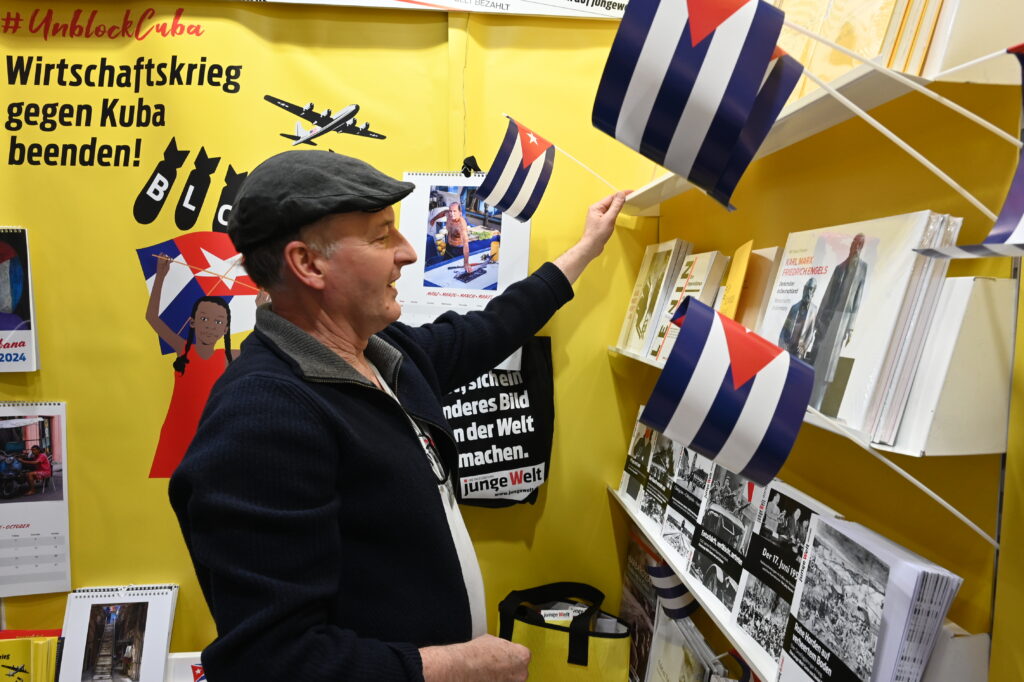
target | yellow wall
x=404, y=68
x=437, y=85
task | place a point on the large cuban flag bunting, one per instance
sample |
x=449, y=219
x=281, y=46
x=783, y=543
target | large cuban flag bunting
x=520, y=172
x=729, y=394
x=696, y=85
x=1007, y=236
x=202, y=264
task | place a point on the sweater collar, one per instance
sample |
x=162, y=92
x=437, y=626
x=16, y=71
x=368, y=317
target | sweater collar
x=317, y=362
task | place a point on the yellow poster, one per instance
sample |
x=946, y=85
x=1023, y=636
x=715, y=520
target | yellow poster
x=128, y=129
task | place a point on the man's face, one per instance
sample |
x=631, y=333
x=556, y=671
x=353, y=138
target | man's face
x=809, y=289
x=455, y=211
x=856, y=245
x=211, y=323
x=359, y=276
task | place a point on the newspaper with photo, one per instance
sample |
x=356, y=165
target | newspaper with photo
x=688, y=488
x=723, y=531
x=772, y=564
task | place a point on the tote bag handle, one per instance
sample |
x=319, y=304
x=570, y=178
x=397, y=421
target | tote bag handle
x=511, y=608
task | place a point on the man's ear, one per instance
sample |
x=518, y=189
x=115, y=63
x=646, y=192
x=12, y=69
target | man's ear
x=304, y=264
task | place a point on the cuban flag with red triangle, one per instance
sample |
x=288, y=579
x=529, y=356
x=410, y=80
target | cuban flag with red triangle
x=729, y=394
x=198, y=674
x=520, y=172
x=696, y=85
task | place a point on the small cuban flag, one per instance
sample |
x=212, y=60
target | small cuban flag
x=1006, y=238
x=729, y=394
x=519, y=175
x=202, y=264
x=696, y=85
x=198, y=674
x=676, y=600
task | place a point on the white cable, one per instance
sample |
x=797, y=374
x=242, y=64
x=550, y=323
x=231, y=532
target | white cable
x=852, y=435
x=902, y=145
x=899, y=77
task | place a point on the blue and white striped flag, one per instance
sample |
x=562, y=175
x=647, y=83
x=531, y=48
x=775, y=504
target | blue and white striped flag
x=1006, y=238
x=677, y=601
x=685, y=85
x=729, y=394
x=520, y=172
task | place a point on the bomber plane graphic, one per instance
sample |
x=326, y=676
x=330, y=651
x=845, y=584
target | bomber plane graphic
x=16, y=670
x=342, y=122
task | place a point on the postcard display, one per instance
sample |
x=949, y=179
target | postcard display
x=34, y=556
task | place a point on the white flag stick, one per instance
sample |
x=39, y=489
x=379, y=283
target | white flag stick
x=899, y=77
x=902, y=145
x=614, y=188
x=916, y=483
x=973, y=62
x=585, y=166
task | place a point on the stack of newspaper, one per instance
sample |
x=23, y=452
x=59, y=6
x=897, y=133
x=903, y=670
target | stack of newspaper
x=864, y=608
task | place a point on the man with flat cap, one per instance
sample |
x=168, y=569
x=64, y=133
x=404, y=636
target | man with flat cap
x=316, y=498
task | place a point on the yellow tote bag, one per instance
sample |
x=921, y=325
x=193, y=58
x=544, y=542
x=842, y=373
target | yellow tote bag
x=588, y=644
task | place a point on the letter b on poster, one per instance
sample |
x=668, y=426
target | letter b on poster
x=503, y=423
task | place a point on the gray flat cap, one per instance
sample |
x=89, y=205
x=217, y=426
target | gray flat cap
x=295, y=188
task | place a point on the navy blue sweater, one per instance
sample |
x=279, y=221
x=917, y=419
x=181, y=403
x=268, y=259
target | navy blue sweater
x=309, y=509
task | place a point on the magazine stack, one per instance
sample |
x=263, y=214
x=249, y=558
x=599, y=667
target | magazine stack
x=864, y=608
x=854, y=301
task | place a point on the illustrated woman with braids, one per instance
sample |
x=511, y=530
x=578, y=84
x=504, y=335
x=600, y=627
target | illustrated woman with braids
x=198, y=365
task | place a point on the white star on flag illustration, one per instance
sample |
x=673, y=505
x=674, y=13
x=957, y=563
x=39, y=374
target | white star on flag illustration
x=221, y=268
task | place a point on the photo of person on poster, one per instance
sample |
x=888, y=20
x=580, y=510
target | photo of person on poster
x=461, y=228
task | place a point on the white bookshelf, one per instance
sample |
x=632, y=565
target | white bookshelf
x=802, y=119
x=972, y=29
x=762, y=664
x=977, y=431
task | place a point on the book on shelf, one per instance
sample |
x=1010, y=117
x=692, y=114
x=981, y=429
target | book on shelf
x=657, y=272
x=118, y=631
x=734, y=282
x=638, y=456
x=666, y=455
x=864, y=608
x=28, y=659
x=20, y=351
x=923, y=37
x=639, y=604
x=757, y=286
x=771, y=565
x=724, y=526
x=915, y=316
x=841, y=297
x=897, y=57
x=866, y=28
x=680, y=521
x=959, y=403
x=941, y=36
x=679, y=652
x=699, y=276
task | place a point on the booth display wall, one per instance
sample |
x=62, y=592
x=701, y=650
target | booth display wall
x=436, y=84
x=406, y=71
x=852, y=173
